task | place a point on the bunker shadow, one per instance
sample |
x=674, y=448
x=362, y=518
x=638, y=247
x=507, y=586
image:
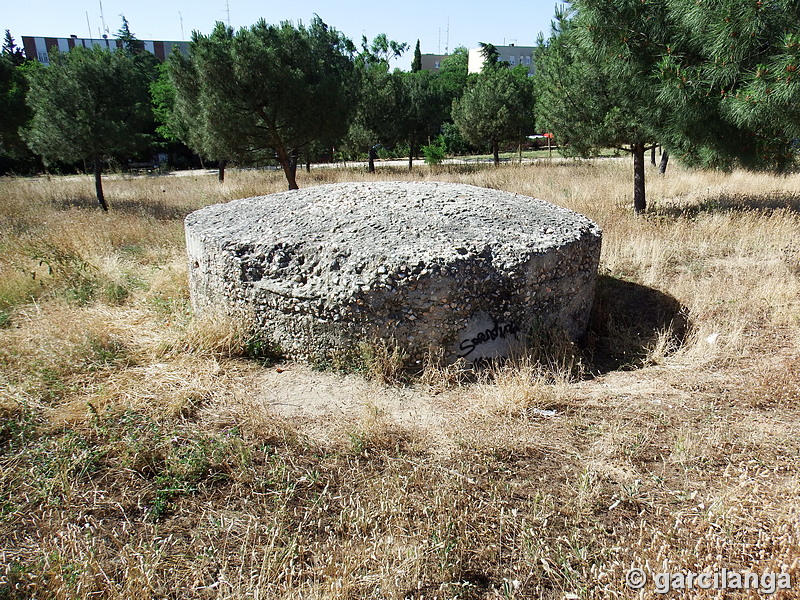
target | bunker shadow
x=628, y=320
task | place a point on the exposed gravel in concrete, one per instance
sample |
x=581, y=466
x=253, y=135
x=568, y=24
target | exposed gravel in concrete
x=429, y=266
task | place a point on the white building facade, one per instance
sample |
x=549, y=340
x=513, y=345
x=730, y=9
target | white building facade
x=512, y=54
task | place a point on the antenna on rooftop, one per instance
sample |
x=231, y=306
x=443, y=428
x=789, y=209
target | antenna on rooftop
x=447, y=43
x=180, y=16
x=228, y=11
x=88, y=24
x=102, y=18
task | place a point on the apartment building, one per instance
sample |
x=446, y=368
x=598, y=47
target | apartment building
x=432, y=62
x=38, y=47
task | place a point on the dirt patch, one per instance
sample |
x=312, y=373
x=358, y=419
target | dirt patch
x=324, y=405
x=328, y=407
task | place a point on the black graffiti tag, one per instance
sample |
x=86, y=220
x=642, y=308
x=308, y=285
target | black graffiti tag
x=502, y=331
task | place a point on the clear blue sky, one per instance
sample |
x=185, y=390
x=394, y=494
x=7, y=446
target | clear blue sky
x=498, y=22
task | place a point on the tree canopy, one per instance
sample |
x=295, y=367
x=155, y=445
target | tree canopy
x=496, y=107
x=130, y=43
x=422, y=109
x=453, y=74
x=731, y=74
x=713, y=81
x=416, y=64
x=11, y=51
x=13, y=90
x=265, y=91
x=594, y=96
x=379, y=97
x=89, y=104
x=15, y=111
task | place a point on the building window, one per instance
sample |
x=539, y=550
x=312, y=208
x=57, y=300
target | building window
x=511, y=60
x=43, y=58
x=436, y=64
x=527, y=60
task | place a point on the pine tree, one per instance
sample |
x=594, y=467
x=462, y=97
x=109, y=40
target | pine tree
x=453, y=73
x=497, y=107
x=595, y=77
x=416, y=64
x=734, y=76
x=491, y=57
x=89, y=104
x=130, y=43
x=377, y=114
x=11, y=51
x=16, y=114
x=266, y=91
x=714, y=81
x=423, y=109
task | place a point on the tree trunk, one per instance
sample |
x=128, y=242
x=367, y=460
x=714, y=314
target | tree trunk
x=294, y=158
x=662, y=167
x=286, y=164
x=308, y=164
x=410, y=156
x=98, y=183
x=221, y=174
x=496, y=153
x=653, y=155
x=291, y=176
x=639, y=199
x=371, y=167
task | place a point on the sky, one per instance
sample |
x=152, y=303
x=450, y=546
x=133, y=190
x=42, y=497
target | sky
x=440, y=25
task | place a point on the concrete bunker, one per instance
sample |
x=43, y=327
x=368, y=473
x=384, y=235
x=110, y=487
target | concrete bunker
x=458, y=271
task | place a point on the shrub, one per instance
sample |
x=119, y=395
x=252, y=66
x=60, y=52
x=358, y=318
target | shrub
x=435, y=152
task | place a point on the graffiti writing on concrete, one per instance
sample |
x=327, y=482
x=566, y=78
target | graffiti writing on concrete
x=500, y=330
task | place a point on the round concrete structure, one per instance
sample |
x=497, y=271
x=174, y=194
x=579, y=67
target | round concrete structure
x=449, y=269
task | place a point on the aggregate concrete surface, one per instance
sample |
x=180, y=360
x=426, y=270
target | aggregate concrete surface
x=450, y=269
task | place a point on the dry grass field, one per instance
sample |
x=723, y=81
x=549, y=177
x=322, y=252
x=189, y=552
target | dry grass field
x=145, y=453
